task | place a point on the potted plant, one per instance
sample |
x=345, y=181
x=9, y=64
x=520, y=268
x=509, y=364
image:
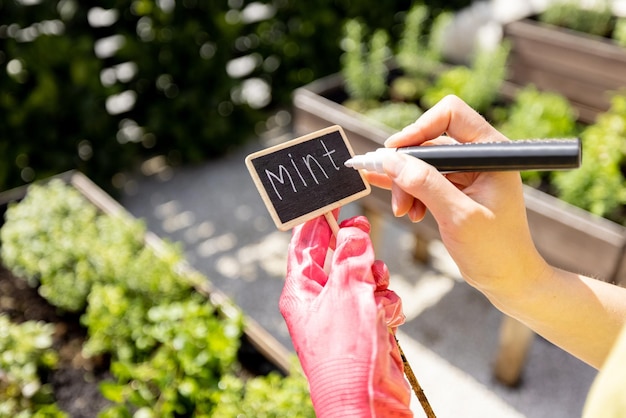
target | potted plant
x=577, y=51
x=145, y=328
x=568, y=236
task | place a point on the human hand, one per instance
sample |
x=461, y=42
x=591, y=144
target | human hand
x=342, y=322
x=481, y=216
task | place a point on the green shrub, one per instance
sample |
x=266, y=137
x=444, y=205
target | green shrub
x=43, y=223
x=172, y=352
x=478, y=85
x=419, y=50
x=26, y=354
x=619, y=34
x=173, y=64
x=596, y=20
x=395, y=115
x=539, y=114
x=193, y=349
x=598, y=186
x=364, y=65
x=264, y=397
x=419, y=53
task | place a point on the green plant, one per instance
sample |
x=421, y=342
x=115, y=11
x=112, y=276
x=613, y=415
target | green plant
x=364, y=65
x=395, y=115
x=596, y=20
x=598, y=186
x=419, y=50
x=478, y=85
x=172, y=352
x=25, y=354
x=619, y=33
x=539, y=114
x=172, y=69
x=264, y=397
x=62, y=267
x=419, y=53
x=194, y=349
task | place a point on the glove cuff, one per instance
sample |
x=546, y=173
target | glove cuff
x=340, y=388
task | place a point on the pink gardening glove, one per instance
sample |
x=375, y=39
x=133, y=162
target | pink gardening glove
x=342, y=323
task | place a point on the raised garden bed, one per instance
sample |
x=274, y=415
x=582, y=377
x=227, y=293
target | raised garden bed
x=76, y=379
x=566, y=236
x=583, y=68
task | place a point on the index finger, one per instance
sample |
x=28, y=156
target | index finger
x=308, y=248
x=451, y=116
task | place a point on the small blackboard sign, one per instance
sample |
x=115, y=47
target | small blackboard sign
x=305, y=177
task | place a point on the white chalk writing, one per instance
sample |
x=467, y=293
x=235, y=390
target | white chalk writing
x=312, y=164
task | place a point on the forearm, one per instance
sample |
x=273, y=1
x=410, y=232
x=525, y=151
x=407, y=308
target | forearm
x=579, y=314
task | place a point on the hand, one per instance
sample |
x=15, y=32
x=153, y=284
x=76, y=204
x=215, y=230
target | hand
x=342, y=323
x=481, y=216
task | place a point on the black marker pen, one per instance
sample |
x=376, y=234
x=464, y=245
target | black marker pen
x=553, y=154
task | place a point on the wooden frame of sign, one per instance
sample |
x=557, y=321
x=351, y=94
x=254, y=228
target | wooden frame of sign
x=304, y=178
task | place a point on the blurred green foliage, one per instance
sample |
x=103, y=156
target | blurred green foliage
x=102, y=88
x=25, y=353
x=478, y=85
x=595, y=19
x=364, y=65
x=599, y=185
x=172, y=353
x=539, y=114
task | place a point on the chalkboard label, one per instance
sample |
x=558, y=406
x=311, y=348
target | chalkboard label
x=305, y=177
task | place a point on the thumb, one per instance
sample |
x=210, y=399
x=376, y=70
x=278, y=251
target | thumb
x=352, y=259
x=425, y=183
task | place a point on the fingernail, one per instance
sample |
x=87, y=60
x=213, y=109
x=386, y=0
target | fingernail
x=414, y=215
x=394, y=206
x=391, y=139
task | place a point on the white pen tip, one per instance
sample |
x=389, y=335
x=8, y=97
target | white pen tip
x=349, y=163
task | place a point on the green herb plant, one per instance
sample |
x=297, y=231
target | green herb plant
x=598, y=186
x=419, y=53
x=539, y=114
x=364, y=65
x=26, y=353
x=619, y=34
x=594, y=20
x=172, y=352
x=478, y=85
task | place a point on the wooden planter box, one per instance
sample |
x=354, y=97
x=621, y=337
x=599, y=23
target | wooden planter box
x=566, y=236
x=260, y=352
x=583, y=68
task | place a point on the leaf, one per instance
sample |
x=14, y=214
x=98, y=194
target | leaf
x=112, y=391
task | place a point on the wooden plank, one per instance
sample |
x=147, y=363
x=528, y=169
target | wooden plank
x=573, y=239
x=583, y=68
x=513, y=347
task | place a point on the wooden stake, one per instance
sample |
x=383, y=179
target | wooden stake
x=332, y=222
x=417, y=389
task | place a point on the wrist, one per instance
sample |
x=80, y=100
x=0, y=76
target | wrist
x=518, y=295
x=340, y=388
